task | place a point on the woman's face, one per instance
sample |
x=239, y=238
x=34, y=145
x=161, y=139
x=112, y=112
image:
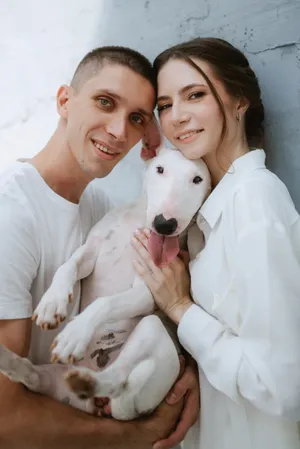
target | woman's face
x=189, y=113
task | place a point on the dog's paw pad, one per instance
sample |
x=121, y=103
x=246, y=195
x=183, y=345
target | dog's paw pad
x=81, y=383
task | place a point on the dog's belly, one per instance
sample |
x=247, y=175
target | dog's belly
x=107, y=343
x=113, y=273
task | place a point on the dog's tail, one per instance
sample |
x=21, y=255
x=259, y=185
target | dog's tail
x=19, y=369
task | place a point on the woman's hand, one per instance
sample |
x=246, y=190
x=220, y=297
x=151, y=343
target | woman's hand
x=169, y=286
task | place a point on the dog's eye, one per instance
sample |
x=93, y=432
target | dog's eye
x=160, y=169
x=197, y=180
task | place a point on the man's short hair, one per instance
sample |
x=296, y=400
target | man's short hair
x=90, y=65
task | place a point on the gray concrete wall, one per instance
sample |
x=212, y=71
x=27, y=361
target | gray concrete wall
x=268, y=31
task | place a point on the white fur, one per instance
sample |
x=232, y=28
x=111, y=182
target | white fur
x=148, y=365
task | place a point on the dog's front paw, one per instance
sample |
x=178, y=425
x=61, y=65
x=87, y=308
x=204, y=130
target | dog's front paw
x=52, y=309
x=71, y=344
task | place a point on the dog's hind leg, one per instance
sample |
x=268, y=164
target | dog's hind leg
x=44, y=379
x=19, y=369
x=138, y=380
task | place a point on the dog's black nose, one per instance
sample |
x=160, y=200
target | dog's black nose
x=163, y=226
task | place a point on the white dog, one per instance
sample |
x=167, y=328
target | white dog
x=116, y=306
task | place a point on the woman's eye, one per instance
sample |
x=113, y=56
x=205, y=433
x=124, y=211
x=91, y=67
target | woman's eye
x=163, y=107
x=160, y=169
x=137, y=119
x=104, y=102
x=196, y=95
x=197, y=180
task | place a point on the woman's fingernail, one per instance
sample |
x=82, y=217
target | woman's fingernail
x=137, y=232
x=172, y=398
x=147, y=232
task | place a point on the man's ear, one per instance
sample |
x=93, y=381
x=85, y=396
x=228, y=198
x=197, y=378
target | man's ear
x=152, y=140
x=62, y=98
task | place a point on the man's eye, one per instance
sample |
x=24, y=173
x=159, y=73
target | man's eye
x=160, y=169
x=137, y=119
x=197, y=180
x=104, y=102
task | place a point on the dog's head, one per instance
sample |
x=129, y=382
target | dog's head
x=176, y=188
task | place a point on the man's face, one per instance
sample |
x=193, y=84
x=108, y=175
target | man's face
x=106, y=117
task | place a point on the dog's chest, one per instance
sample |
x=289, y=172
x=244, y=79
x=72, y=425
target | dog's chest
x=113, y=272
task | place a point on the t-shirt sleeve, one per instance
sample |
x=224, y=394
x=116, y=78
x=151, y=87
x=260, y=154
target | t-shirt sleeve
x=19, y=259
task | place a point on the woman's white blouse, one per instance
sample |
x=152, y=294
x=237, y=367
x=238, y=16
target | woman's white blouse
x=244, y=329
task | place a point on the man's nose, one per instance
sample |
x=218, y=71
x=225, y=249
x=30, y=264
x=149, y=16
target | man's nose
x=117, y=128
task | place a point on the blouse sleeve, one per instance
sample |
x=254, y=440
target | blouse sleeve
x=262, y=363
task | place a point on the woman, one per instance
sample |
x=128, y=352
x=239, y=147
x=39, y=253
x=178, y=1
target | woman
x=243, y=324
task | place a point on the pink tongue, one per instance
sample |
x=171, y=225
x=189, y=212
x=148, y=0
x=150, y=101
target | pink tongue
x=163, y=249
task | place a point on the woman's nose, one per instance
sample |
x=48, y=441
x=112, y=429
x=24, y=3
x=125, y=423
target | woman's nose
x=179, y=116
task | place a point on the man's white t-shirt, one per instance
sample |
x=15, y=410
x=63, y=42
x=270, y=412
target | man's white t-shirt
x=39, y=231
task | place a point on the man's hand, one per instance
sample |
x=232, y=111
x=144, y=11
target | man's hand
x=159, y=425
x=187, y=388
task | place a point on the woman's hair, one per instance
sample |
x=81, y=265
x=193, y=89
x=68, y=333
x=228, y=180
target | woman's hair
x=231, y=66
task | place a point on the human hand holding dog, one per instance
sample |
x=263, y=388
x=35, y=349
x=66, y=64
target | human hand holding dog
x=170, y=286
x=171, y=421
x=186, y=387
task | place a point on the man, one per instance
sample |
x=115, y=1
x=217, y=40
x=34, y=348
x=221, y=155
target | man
x=48, y=205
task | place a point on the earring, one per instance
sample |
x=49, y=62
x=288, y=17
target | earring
x=238, y=116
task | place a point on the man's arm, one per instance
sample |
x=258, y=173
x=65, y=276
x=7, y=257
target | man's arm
x=29, y=420
x=34, y=421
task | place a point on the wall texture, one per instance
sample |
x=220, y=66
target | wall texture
x=42, y=41
x=268, y=31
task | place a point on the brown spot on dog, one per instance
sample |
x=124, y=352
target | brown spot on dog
x=110, y=233
x=109, y=336
x=81, y=383
x=102, y=355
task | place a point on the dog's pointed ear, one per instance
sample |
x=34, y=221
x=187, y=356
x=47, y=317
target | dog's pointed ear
x=152, y=140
